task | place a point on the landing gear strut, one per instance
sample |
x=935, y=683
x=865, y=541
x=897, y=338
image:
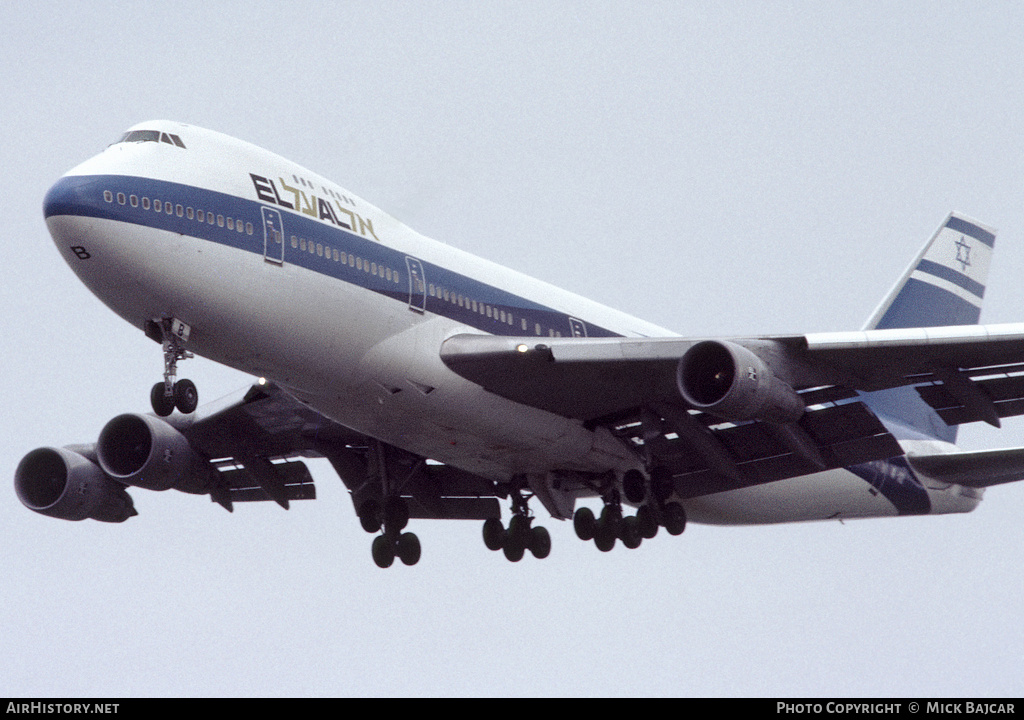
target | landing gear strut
x=170, y=394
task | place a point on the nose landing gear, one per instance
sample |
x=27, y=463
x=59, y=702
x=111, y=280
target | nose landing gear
x=170, y=394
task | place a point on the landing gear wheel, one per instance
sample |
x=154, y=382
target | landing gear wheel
x=633, y=486
x=383, y=550
x=396, y=514
x=162, y=404
x=605, y=538
x=584, y=523
x=629, y=532
x=540, y=542
x=494, y=534
x=674, y=518
x=661, y=482
x=514, y=547
x=186, y=397
x=408, y=548
x=647, y=518
x=369, y=516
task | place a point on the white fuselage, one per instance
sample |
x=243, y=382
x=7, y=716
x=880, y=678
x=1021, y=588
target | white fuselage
x=350, y=310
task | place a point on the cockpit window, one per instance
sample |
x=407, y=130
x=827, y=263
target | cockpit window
x=151, y=136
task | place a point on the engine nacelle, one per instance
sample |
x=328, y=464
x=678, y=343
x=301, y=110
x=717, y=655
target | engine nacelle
x=731, y=382
x=146, y=452
x=63, y=484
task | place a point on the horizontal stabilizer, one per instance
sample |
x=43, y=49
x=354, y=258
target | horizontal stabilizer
x=977, y=469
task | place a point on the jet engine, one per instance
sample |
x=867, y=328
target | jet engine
x=63, y=484
x=731, y=382
x=147, y=452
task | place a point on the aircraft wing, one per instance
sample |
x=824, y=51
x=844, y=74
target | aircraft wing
x=252, y=439
x=745, y=411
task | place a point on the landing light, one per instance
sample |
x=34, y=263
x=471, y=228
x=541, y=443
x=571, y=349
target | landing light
x=522, y=347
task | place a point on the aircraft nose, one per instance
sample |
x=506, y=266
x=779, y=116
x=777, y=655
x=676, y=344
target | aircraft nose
x=69, y=196
x=53, y=202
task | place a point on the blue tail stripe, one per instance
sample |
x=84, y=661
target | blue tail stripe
x=962, y=226
x=922, y=304
x=954, y=276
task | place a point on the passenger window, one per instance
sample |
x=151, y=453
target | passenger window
x=158, y=206
x=108, y=196
x=200, y=216
x=179, y=210
x=295, y=242
x=190, y=213
x=168, y=208
x=220, y=221
x=145, y=203
x=134, y=200
x=120, y=199
x=231, y=223
x=249, y=228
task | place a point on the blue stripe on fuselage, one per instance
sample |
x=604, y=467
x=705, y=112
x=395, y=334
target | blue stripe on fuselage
x=83, y=195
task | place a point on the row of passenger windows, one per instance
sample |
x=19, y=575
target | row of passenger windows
x=318, y=249
x=358, y=263
x=157, y=205
x=497, y=314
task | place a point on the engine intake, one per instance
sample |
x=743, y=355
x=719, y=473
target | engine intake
x=731, y=382
x=63, y=484
x=147, y=452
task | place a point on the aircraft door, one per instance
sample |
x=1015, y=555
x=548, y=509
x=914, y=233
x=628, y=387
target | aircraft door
x=273, y=236
x=417, y=285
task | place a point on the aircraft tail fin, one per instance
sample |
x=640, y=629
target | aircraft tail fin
x=944, y=285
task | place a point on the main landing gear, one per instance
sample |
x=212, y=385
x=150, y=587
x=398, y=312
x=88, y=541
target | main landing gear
x=520, y=535
x=632, y=529
x=393, y=517
x=170, y=394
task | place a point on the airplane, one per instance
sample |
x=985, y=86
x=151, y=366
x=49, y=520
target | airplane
x=438, y=384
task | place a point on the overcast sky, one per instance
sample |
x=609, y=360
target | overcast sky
x=748, y=169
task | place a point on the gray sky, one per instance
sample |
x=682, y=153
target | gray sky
x=748, y=169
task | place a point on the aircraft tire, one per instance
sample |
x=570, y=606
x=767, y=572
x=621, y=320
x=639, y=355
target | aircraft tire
x=648, y=521
x=369, y=516
x=494, y=534
x=540, y=542
x=514, y=548
x=408, y=548
x=633, y=486
x=162, y=405
x=674, y=518
x=186, y=396
x=396, y=514
x=629, y=532
x=383, y=550
x=583, y=522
